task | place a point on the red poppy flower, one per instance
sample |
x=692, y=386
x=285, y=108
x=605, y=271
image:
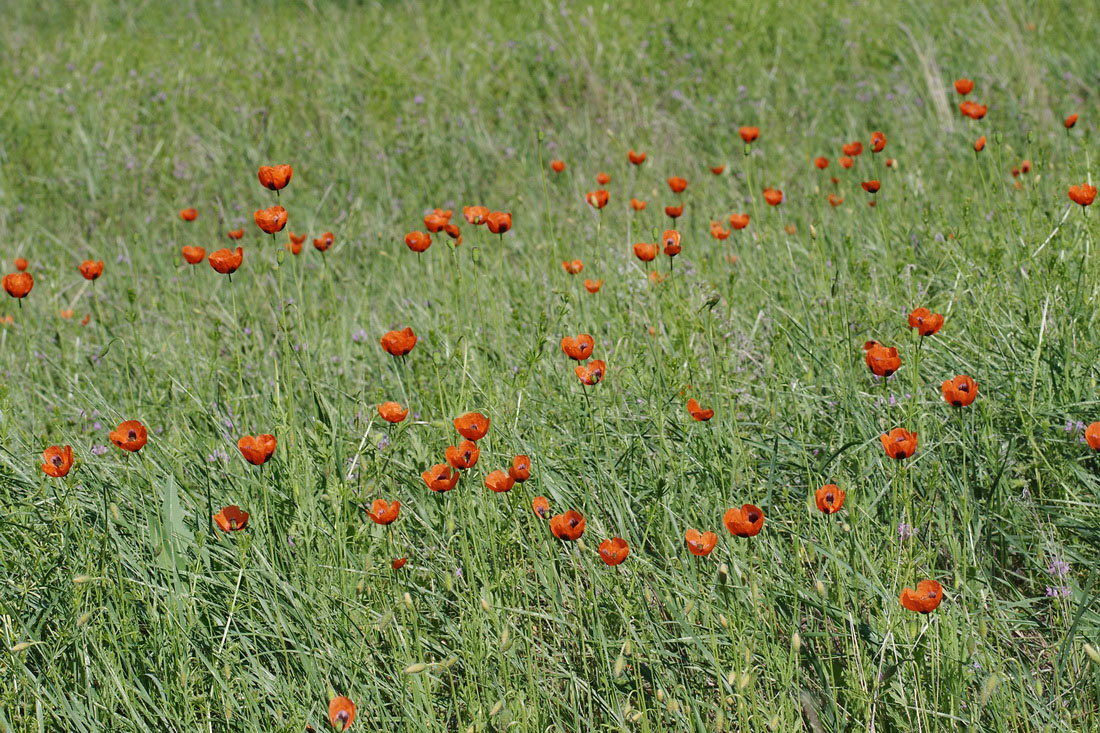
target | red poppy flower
x=773, y=196
x=845, y=162
x=520, y=469
x=979, y=144
x=440, y=477
x=1092, y=435
x=829, y=498
x=189, y=214
x=236, y=233
x=1025, y=166
x=21, y=264
x=960, y=391
x=271, y=220
x=674, y=212
x=399, y=343
x=718, y=169
x=645, y=252
x=871, y=186
x=257, y=450
x=739, y=221
x=499, y=482
x=671, y=240
x=130, y=436
x=418, y=241
x=572, y=267
x=541, y=506
x=1071, y=121
x=231, y=519
x=749, y=134
x=596, y=199
x=636, y=204
x=881, y=360
x=745, y=521
x=1083, y=194
x=384, y=512
x=91, y=269
x=964, y=86
x=614, y=551
x=435, y=222
x=568, y=526
x=899, y=443
x=925, y=321
x=57, y=460
x=557, y=166
x=194, y=255
x=454, y=233
x=677, y=184
x=499, y=222
x=472, y=426
x=891, y=163
x=878, y=141
x=392, y=412
x=399, y=563
x=700, y=544
x=973, y=110
x=464, y=455
x=578, y=348
x=592, y=373
x=718, y=231
x=835, y=200
x=225, y=261
x=821, y=162
x=593, y=286
x=853, y=149
x=476, y=215
x=925, y=599
x=18, y=284
x=275, y=177
x=341, y=711
x=636, y=158
x=324, y=242
x=603, y=179
x=697, y=412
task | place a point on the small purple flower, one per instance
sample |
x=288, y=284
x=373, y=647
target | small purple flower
x=1058, y=567
x=905, y=531
x=359, y=336
x=98, y=450
x=384, y=443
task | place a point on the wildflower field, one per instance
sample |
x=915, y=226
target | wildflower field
x=551, y=366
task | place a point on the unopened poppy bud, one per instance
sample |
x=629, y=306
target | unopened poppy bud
x=796, y=642
x=997, y=137
x=476, y=255
x=580, y=545
x=1030, y=136
x=987, y=689
x=620, y=665
x=451, y=661
x=846, y=527
x=408, y=601
x=723, y=621
x=820, y=588
x=416, y=668
x=982, y=628
x=1093, y=654
x=280, y=256
x=636, y=716
x=660, y=695
x=723, y=572
x=484, y=604
x=81, y=579
x=131, y=295
x=83, y=618
x=542, y=136
x=449, y=582
x=813, y=232
x=971, y=645
x=496, y=708
x=22, y=647
x=748, y=149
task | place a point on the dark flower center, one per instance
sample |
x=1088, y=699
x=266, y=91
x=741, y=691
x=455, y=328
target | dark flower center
x=132, y=435
x=57, y=460
x=964, y=387
x=573, y=522
x=753, y=516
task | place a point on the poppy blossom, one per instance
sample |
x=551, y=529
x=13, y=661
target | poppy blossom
x=821, y=162
x=718, y=169
x=418, y=241
x=1092, y=435
x=434, y=222
x=21, y=264
x=398, y=563
x=656, y=277
x=739, y=221
x=56, y=461
x=275, y=177
x=189, y=214
x=573, y=267
x=853, y=149
x=91, y=269
x=454, y=233
x=499, y=222
x=964, y=86
x=674, y=212
x=1071, y=121
x=677, y=184
x=130, y=436
x=960, y=391
x=671, y=240
x=973, y=110
x=593, y=286
x=773, y=196
x=979, y=144
x=596, y=199
x=520, y=469
x=399, y=343
x=578, y=348
x=568, y=526
x=225, y=261
x=66, y=313
x=476, y=215
x=440, y=477
x=603, y=179
x=193, y=255
x=231, y=518
x=697, y=412
x=925, y=599
x=557, y=166
x=541, y=506
x=614, y=551
x=871, y=186
x=645, y=252
x=1025, y=166
x=878, y=141
x=749, y=134
x=271, y=220
x=591, y=373
x=699, y=543
x=899, y=443
x=323, y=242
x=236, y=233
x=881, y=360
x=829, y=498
x=891, y=163
x=845, y=163
x=464, y=455
x=745, y=521
x=383, y=512
x=18, y=284
x=1083, y=194
x=341, y=711
x=718, y=231
x=636, y=204
x=472, y=426
x=391, y=412
x=635, y=158
x=499, y=482
x=925, y=321
x=835, y=200
x=257, y=450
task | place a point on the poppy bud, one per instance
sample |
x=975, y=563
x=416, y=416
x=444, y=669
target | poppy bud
x=796, y=642
x=21, y=647
x=416, y=668
x=84, y=618
x=496, y=708
x=1093, y=654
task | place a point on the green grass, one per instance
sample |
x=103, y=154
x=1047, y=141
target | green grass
x=126, y=609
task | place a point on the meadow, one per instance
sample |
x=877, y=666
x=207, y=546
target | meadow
x=135, y=597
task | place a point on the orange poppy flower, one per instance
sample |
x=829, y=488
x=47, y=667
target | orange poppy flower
x=578, y=348
x=567, y=526
x=499, y=222
x=749, y=134
x=520, y=469
x=745, y=521
x=596, y=199
x=593, y=286
x=925, y=599
x=845, y=162
x=440, y=477
x=881, y=360
x=739, y=221
x=979, y=144
x=592, y=373
x=674, y=212
x=656, y=277
x=557, y=166
x=418, y=241
x=399, y=343
x=472, y=426
x=1071, y=121
x=500, y=482
x=21, y=264
x=271, y=220
x=341, y=711
x=700, y=544
x=434, y=222
x=891, y=163
x=677, y=184
x=189, y=214
x=717, y=231
x=225, y=261
x=603, y=179
x=960, y=391
x=1083, y=194
x=878, y=141
x=541, y=506
x=964, y=86
x=1092, y=435
x=925, y=321
x=899, y=443
x=829, y=498
x=231, y=518
x=18, y=284
x=399, y=563
x=91, y=269
x=130, y=436
x=464, y=455
x=66, y=313
x=294, y=248
x=636, y=158
x=614, y=551
x=236, y=233
x=821, y=162
x=697, y=412
x=718, y=169
x=636, y=204
x=835, y=200
x=275, y=177
x=871, y=186
x=454, y=233
x=973, y=110
x=773, y=196
x=323, y=242
x=297, y=238
x=257, y=450
x=391, y=412
x=384, y=512
x=645, y=252
x=1025, y=166
x=476, y=215
x=57, y=460
x=671, y=239
x=853, y=149
x=573, y=268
